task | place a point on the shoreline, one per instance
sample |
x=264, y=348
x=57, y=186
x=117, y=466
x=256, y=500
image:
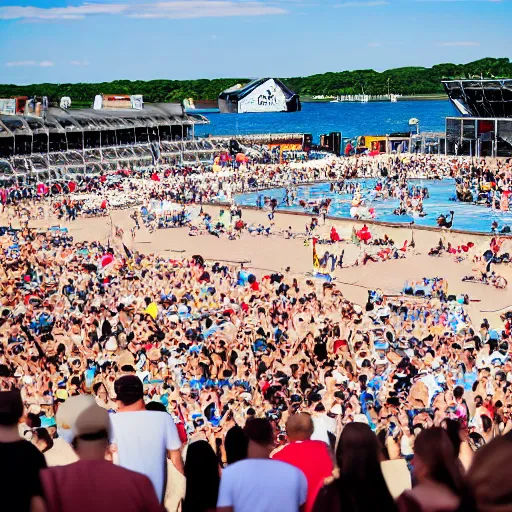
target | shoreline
x=421, y=97
x=374, y=222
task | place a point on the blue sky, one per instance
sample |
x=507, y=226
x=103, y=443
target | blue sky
x=100, y=40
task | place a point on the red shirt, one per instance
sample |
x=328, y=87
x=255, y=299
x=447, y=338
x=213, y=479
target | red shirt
x=97, y=485
x=313, y=459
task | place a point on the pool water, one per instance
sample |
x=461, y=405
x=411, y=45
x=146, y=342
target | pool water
x=469, y=217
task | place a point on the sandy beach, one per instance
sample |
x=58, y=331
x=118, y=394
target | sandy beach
x=264, y=254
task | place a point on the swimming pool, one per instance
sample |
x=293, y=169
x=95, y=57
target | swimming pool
x=467, y=216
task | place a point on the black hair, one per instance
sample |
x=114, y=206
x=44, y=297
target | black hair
x=156, y=406
x=33, y=420
x=358, y=457
x=43, y=435
x=260, y=431
x=458, y=392
x=203, y=479
x=12, y=408
x=486, y=422
x=453, y=431
x=235, y=444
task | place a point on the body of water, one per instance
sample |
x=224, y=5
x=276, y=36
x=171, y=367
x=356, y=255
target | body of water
x=470, y=217
x=351, y=119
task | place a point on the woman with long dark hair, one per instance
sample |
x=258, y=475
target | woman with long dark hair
x=361, y=486
x=203, y=478
x=235, y=445
x=440, y=484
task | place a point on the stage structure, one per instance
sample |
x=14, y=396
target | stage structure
x=262, y=95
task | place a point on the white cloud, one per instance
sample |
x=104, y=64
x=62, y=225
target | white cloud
x=371, y=3
x=374, y=45
x=79, y=62
x=178, y=9
x=459, y=43
x=174, y=9
x=21, y=63
x=27, y=63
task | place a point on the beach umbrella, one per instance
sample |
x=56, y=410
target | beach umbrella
x=240, y=158
x=155, y=177
x=106, y=259
x=72, y=186
x=42, y=189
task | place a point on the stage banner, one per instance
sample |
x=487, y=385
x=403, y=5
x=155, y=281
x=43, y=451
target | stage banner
x=268, y=97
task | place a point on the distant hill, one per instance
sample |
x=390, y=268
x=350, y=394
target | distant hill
x=406, y=81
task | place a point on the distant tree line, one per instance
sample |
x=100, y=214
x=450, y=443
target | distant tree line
x=406, y=81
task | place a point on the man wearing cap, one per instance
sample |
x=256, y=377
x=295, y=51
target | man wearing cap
x=92, y=483
x=311, y=457
x=21, y=460
x=143, y=439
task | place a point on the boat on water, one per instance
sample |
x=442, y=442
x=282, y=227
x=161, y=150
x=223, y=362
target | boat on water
x=365, y=98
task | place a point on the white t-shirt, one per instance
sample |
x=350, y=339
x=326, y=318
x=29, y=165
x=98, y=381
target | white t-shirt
x=323, y=424
x=262, y=485
x=142, y=439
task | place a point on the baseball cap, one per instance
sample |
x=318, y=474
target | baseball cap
x=92, y=420
x=69, y=411
x=80, y=415
x=129, y=389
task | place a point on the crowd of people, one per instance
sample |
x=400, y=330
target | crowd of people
x=216, y=347
x=266, y=391
x=200, y=184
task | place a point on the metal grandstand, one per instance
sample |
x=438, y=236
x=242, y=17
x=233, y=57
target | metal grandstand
x=63, y=144
x=481, y=98
x=485, y=125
